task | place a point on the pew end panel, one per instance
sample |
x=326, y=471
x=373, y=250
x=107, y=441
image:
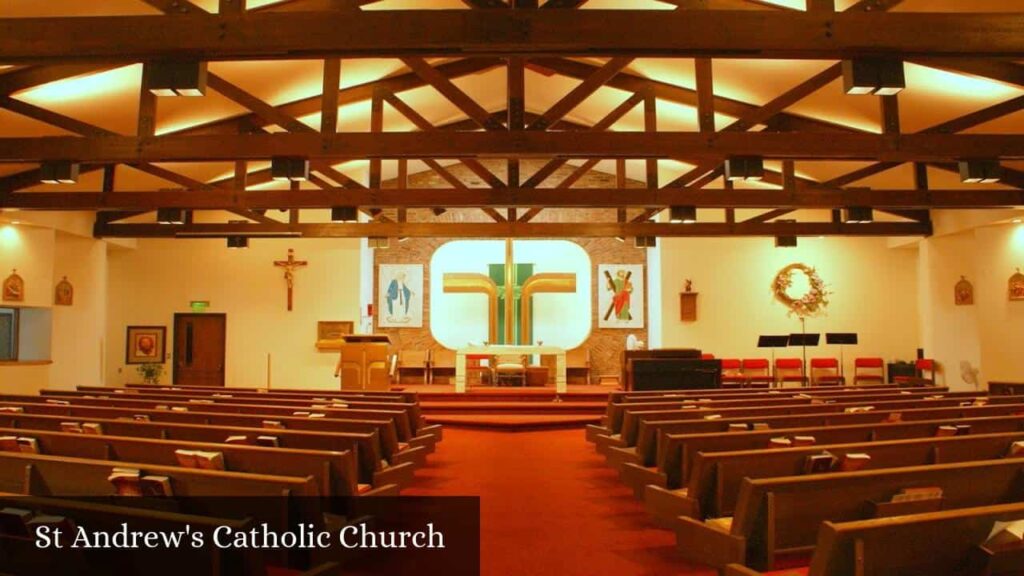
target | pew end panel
x=665, y=505
x=699, y=542
x=638, y=477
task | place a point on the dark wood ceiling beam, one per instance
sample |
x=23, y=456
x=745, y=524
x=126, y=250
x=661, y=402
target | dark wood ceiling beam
x=203, y=197
x=423, y=124
x=581, y=92
x=453, y=93
x=524, y=144
x=522, y=230
x=427, y=33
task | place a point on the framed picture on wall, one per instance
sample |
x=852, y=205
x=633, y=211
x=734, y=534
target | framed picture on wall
x=330, y=332
x=620, y=296
x=145, y=344
x=400, y=296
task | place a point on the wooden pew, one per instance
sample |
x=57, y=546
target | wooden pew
x=392, y=451
x=412, y=409
x=947, y=543
x=614, y=411
x=781, y=515
x=715, y=477
x=335, y=473
x=677, y=451
x=403, y=428
x=18, y=553
x=409, y=425
x=372, y=468
x=628, y=435
x=296, y=498
x=649, y=448
x=405, y=396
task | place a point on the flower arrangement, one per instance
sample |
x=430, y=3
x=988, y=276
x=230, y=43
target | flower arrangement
x=150, y=372
x=813, y=302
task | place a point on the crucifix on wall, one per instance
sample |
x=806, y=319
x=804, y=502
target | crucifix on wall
x=290, y=266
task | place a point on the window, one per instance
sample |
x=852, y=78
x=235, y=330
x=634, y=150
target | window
x=8, y=334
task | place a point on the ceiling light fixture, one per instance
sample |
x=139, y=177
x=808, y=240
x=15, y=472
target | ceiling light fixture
x=58, y=172
x=858, y=215
x=176, y=78
x=344, y=214
x=238, y=241
x=682, y=214
x=980, y=171
x=744, y=168
x=170, y=216
x=289, y=169
x=867, y=76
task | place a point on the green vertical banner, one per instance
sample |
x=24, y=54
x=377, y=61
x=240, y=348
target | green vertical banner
x=521, y=274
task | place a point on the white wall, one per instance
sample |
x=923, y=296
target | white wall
x=79, y=331
x=148, y=285
x=875, y=295
x=1000, y=321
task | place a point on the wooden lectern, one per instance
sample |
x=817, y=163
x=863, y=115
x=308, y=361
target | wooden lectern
x=364, y=362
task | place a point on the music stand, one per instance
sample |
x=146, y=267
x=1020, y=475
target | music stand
x=804, y=340
x=772, y=342
x=841, y=339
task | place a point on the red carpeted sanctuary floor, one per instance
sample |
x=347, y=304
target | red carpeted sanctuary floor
x=549, y=505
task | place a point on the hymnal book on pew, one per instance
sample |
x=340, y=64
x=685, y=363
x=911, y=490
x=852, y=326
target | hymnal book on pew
x=223, y=396
x=952, y=430
x=914, y=494
x=1016, y=450
x=1006, y=533
x=320, y=406
x=724, y=523
x=780, y=442
x=853, y=462
x=9, y=444
x=935, y=397
x=819, y=463
x=92, y=428
x=273, y=424
x=200, y=459
x=268, y=441
x=339, y=405
x=858, y=409
x=179, y=408
x=759, y=426
x=126, y=481
x=804, y=396
x=16, y=409
x=156, y=486
x=58, y=402
x=237, y=440
x=71, y=427
x=713, y=417
x=140, y=417
x=13, y=521
x=317, y=415
x=300, y=413
x=161, y=407
x=738, y=428
x=803, y=441
x=28, y=445
x=199, y=401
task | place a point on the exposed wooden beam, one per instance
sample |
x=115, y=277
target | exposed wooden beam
x=521, y=230
x=485, y=4
x=453, y=93
x=605, y=123
x=146, y=126
x=262, y=109
x=426, y=33
x=550, y=4
x=930, y=147
x=705, y=94
x=230, y=7
x=580, y=93
x=329, y=106
x=202, y=197
x=423, y=124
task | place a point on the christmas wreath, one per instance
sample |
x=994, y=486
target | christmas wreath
x=813, y=302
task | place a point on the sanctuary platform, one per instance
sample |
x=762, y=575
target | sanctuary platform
x=512, y=409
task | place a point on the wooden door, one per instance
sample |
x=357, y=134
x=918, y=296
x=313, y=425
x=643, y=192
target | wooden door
x=199, y=347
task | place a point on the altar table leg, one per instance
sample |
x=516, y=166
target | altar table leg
x=561, y=382
x=460, y=373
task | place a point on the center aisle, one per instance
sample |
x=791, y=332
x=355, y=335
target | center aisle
x=549, y=505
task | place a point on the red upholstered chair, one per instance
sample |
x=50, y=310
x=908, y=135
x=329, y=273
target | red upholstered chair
x=790, y=370
x=757, y=372
x=870, y=370
x=922, y=366
x=732, y=373
x=706, y=356
x=825, y=372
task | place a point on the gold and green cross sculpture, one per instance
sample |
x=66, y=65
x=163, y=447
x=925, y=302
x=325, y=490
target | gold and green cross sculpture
x=509, y=288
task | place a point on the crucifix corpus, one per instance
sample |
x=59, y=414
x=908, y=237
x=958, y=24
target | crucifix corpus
x=290, y=266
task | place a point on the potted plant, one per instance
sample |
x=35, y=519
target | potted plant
x=151, y=372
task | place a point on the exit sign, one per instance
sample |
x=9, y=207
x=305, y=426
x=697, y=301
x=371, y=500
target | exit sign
x=199, y=305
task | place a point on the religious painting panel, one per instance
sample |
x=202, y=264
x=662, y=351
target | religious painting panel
x=14, y=288
x=620, y=296
x=64, y=294
x=1016, y=289
x=145, y=344
x=400, y=296
x=963, y=292
x=510, y=292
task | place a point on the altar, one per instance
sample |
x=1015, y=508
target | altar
x=499, y=350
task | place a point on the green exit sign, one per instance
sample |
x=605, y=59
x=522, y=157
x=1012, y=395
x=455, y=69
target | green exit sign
x=199, y=305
